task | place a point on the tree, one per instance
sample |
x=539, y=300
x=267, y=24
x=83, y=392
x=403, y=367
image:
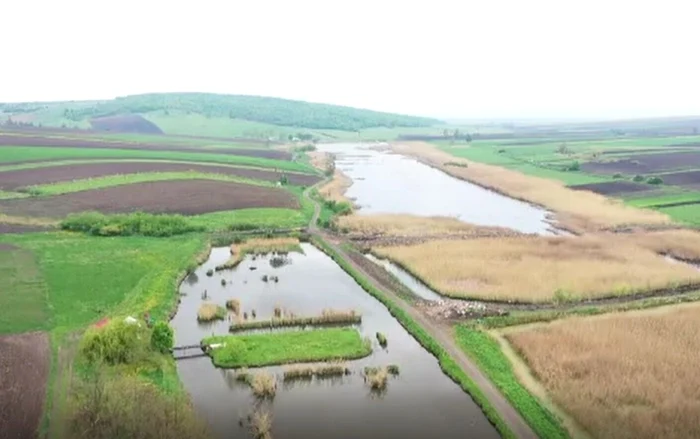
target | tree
x=162, y=337
x=468, y=138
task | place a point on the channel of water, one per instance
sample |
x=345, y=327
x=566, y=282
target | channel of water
x=420, y=402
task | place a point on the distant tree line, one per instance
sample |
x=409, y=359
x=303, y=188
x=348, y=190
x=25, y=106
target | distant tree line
x=254, y=108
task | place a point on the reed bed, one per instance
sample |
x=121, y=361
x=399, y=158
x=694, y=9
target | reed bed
x=409, y=225
x=376, y=378
x=263, y=384
x=209, y=311
x=234, y=305
x=261, y=424
x=335, y=189
x=623, y=375
x=259, y=246
x=310, y=371
x=327, y=318
x=540, y=269
x=577, y=210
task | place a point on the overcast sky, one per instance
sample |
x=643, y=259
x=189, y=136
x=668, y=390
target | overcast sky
x=459, y=58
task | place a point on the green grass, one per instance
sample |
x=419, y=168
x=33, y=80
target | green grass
x=22, y=293
x=264, y=218
x=34, y=165
x=288, y=347
x=178, y=123
x=447, y=363
x=91, y=277
x=671, y=197
x=24, y=153
x=689, y=215
x=11, y=195
x=123, y=179
x=487, y=354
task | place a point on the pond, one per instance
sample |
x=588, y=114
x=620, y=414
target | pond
x=420, y=402
x=384, y=182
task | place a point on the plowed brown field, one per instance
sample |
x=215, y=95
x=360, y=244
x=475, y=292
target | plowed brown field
x=24, y=368
x=189, y=197
x=45, y=175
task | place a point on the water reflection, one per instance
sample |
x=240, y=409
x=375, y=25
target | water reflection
x=392, y=183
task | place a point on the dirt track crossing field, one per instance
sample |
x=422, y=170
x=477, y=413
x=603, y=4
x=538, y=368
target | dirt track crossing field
x=607, y=188
x=45, y=175
x=645, y=163
x=65, y=142
x=188, y=197
x=24, y=369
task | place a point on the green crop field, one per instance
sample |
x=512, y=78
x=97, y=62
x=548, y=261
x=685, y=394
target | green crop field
x=122, y=179
x=24, y=153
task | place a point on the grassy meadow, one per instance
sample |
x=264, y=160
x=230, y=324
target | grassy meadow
x=288, y=347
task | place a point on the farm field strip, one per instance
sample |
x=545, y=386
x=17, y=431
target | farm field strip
x=77, y=142
x=13, y=154
x=126, y=179
x=189, y=197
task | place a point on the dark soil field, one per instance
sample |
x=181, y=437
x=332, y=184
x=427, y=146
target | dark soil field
x=24, y=369
x=645, y=163
x=127, y=123
x=611, y=187
x=188, y=197
x=45, y=175
x=76, y=142
x=20, y=228
x=690, y=179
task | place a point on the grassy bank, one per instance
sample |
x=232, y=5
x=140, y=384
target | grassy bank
x=487, y=354
x=287, y=347
x=447, y=363
x=259, y=246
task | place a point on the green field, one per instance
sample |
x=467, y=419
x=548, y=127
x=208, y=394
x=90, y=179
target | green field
x=23, y=293
x=122, y=179
x=288, y=347
x=88, y=277
x=24, y=153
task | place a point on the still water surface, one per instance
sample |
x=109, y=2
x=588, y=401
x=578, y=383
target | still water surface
x=422, y=402
x=391, y=183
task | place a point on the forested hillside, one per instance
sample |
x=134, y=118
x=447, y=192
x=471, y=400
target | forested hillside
x=268, y=110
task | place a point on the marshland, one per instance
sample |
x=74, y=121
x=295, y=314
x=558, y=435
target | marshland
x=308, y=284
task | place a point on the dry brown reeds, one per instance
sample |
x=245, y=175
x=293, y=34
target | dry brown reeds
x=309, y=371
x=264, y=385
x=680, y=244
x=409, y=225
x=259, y=246
x=623, y=375
x=322, y=161
x=209, y=311
x=576, y=210
x=537, y=269
x=234, y=305
x=327, y=318
x=335, y=189
x=376, y=378
x=261, y=424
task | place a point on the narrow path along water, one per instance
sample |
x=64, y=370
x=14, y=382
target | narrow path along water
x=384, y=182
x=420, y=402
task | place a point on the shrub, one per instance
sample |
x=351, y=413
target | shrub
x=638, y=178
x=127, y=407
x=381, y=338
x=116, y=343
x=138, y=223
x=617, y=176
x=575, y=166
x=655, y=180
x=393, y=369
x=162, y=338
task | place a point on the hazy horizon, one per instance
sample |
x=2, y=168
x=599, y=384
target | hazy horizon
x=445, y=59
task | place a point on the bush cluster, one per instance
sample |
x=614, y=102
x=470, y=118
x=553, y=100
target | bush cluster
x=117, y=343
x=137, y=223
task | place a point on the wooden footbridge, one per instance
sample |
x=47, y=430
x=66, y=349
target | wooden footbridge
x=189, y=351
